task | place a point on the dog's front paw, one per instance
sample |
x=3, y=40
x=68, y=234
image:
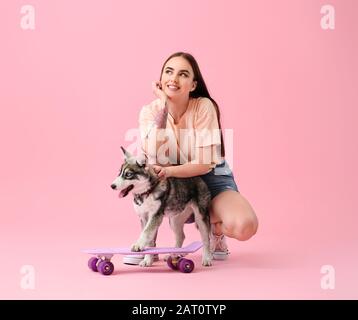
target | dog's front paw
x=206, y=261
x=137, y=247
x=147, y=261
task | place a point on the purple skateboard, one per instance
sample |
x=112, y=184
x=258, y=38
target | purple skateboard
x=101, y=261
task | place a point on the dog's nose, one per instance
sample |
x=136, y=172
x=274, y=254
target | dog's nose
x=113, y=186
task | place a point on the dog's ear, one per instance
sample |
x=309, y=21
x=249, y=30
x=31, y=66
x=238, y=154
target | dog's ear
x=142, y=160
x=126, y=153
x=140, y=165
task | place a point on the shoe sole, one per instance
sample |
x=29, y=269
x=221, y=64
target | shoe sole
x=135, y=260
x=220, y=255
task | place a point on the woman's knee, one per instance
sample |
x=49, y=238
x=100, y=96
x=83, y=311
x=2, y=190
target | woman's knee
x=237, y=217
x=241, y=230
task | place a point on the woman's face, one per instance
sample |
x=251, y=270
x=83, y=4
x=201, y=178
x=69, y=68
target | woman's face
x=178, y=78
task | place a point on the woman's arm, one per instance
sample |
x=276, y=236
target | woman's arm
x=151, y=125
x=187, y=170
x=152, y=133
x=161, y=117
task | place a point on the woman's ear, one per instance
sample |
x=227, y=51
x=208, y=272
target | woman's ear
x=194, y=86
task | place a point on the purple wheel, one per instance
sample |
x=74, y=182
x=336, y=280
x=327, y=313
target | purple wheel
x=105, y=267
x=172, y=263
x=92, y=264
x=185, y=265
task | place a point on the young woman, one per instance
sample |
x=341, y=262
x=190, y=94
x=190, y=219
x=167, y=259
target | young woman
x=184, y=104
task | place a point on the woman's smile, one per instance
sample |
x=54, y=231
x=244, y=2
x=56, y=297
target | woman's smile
x=173, y=87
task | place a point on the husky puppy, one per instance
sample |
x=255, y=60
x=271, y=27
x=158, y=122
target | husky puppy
x=154, y=198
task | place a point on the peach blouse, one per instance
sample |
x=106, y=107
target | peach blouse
x=197, y=128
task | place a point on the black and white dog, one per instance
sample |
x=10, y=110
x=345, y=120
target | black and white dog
x=154, y=198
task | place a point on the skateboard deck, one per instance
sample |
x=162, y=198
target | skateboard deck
x=192, y=247
x=101, y=261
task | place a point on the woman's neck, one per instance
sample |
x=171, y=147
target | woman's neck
x=177, y=107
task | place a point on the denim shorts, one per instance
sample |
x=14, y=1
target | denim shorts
x=220, y=179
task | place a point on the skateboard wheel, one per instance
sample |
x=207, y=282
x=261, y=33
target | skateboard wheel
x=92, y=264
x=105, y=267
x=172, y=263
x=185, y=265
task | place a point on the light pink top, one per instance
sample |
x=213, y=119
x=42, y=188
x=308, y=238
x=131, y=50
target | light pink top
x=197, y=128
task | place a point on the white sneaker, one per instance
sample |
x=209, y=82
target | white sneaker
x=218, y=247
x=136, y=259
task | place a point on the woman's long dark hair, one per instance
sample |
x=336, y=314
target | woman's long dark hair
x=201, y=90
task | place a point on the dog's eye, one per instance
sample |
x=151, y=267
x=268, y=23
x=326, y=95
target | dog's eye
x=128, y=174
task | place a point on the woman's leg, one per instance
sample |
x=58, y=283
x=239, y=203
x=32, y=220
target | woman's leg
x=232, y=215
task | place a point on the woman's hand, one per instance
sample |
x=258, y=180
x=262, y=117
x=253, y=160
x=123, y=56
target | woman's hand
x=162, y=172
x=158, y=92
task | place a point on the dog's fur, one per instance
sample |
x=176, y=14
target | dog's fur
x=154, y=198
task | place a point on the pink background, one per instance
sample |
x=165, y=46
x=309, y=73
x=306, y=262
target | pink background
x=71, y=88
